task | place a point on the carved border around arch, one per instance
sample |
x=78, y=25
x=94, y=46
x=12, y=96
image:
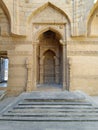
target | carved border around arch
x=44, y=29
x=6, y=10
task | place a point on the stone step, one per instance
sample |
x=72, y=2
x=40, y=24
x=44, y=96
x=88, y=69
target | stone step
x=52, y=114
x=53, y=110
x=49, y=119
x=52, y=99
x=51, y=107
x=63, y=95
x=54, y=103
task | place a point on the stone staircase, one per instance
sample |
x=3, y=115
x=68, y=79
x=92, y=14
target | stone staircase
x=50, y=107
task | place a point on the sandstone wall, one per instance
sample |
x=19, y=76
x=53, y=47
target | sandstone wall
x=22, y=21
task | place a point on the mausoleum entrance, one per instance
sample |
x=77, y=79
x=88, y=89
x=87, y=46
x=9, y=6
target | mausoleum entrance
x=49, y=59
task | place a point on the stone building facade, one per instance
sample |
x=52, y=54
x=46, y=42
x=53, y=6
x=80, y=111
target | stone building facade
x=50, y=43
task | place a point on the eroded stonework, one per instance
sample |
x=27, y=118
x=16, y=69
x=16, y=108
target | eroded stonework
x=50, y=43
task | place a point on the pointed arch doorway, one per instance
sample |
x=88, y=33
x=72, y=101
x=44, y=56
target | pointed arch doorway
x=49, y=58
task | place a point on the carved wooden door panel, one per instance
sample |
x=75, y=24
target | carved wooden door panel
x=49, y=68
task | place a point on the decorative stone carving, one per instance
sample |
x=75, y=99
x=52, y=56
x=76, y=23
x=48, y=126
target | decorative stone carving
x=58, y=28
x=63, y=42
x=68, y=73
x=54, y=16
x=29, y=74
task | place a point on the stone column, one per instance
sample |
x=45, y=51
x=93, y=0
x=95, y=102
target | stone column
x=29, y=75
x=64, y=47
x=41, y=69
x=68, y=73
x=35, y=45
x=56, y=70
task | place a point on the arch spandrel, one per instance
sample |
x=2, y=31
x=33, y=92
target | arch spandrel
x=4, y=22
x=7, y=13
x=45, y=6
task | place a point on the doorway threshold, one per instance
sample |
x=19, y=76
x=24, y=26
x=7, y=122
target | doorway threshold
x=49, y=87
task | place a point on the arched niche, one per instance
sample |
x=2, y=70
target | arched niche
x=41, y=31
x=49, y=59
x=5, y=20
x=92, y=21
x=6, y=10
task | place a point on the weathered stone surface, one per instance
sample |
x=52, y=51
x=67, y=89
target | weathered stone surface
x=59, y=39
x=51, y=107
x=79, y=109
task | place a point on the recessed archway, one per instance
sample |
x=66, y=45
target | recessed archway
x=49, y=59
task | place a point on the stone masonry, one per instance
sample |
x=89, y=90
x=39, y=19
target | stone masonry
x=50, y=42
